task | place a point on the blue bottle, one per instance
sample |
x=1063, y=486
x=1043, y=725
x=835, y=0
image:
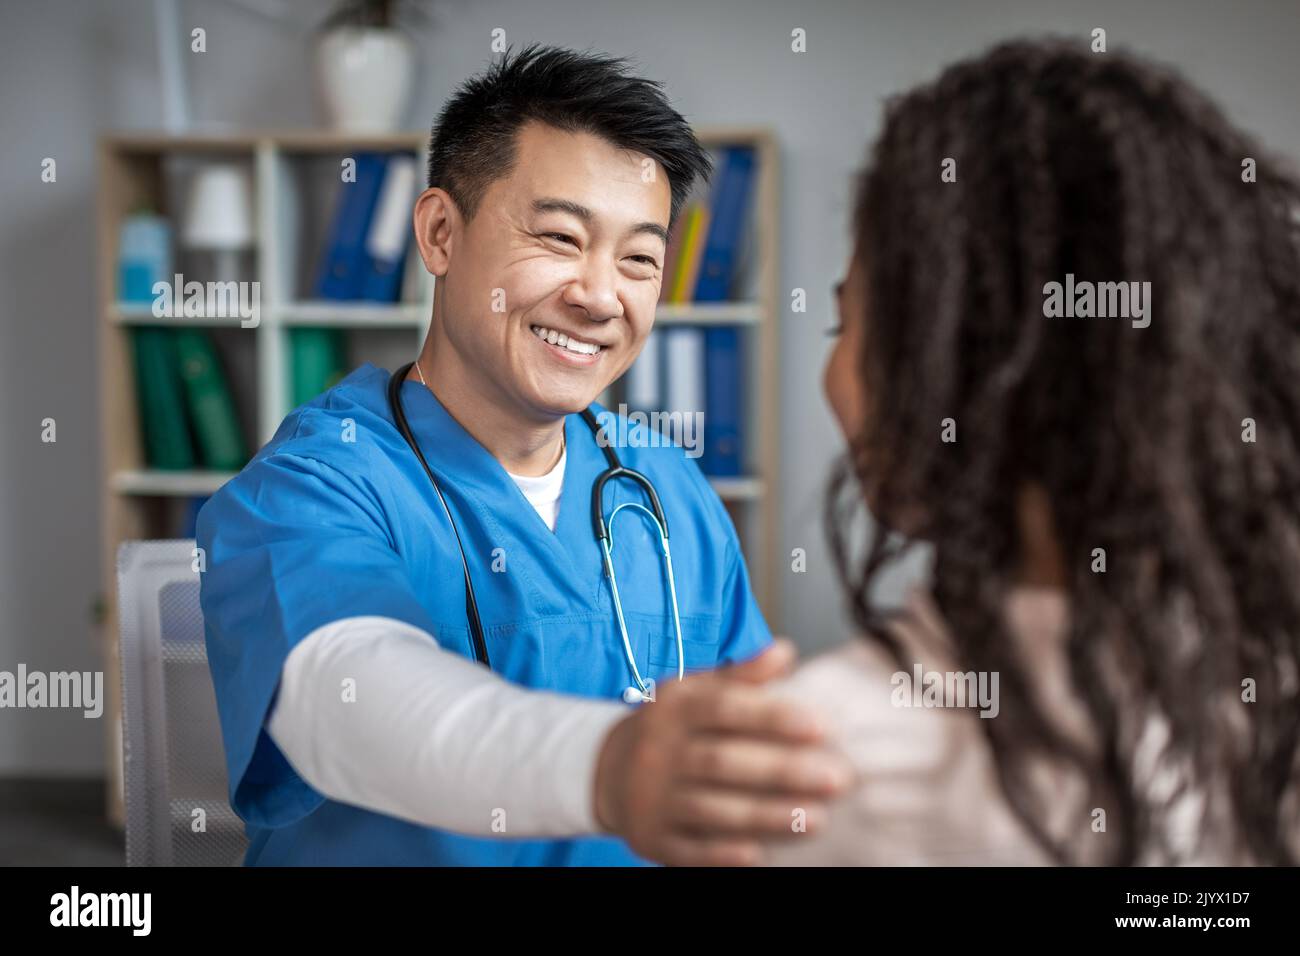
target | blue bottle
x=144, y=256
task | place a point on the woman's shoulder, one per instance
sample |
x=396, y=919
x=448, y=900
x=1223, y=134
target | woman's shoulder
x=927, y=790
x=862, y=682
x=840, y=675
x=866, y=699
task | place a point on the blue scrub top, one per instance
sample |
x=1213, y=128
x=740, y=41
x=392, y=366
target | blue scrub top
x=335, y=518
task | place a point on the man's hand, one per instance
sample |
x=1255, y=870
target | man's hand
x=714, y=766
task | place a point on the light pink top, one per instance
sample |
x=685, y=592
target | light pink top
x=928, y=791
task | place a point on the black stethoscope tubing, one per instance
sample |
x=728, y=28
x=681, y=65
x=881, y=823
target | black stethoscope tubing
x=615, y=471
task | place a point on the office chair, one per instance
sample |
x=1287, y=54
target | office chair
x=177, y=807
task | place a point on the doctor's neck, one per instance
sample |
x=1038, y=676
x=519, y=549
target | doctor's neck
x=523, y=444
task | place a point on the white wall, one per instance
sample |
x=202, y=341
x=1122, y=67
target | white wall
x=71, y=68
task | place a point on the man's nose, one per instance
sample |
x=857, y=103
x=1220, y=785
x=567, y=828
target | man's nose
x=595, y=290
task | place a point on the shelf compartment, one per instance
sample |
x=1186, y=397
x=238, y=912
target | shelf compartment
x=150, y=481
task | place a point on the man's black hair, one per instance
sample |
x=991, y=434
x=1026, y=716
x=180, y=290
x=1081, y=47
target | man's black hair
x=473, y=140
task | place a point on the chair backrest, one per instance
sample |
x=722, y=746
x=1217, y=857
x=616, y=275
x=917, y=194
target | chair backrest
x=177, y=809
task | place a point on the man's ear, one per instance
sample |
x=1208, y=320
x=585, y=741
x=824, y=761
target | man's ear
x=436, y=221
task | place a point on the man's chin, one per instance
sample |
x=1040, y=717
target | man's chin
x=558, y=406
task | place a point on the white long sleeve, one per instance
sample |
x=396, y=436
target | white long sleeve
x=372, y=712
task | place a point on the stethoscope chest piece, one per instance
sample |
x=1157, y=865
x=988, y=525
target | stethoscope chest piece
x=634, y=695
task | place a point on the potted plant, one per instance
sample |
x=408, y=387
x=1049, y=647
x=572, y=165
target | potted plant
x=365, y=64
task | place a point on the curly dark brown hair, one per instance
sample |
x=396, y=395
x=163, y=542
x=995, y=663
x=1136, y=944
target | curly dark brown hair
x=1113, y=169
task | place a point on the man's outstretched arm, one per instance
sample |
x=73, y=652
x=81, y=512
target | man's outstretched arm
x=428, y=736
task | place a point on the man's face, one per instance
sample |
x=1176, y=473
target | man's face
x=570, y=245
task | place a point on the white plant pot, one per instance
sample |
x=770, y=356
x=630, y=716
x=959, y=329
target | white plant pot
x=365, y=75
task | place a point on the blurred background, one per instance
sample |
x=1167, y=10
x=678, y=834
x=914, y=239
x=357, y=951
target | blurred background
x=207, y=136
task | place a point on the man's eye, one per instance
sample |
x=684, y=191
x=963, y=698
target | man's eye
x=560, y=237
x=647, y=260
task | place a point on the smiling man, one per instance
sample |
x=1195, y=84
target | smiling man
x=371, y=712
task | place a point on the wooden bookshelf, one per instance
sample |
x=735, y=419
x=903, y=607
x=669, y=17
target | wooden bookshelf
x=140, y=503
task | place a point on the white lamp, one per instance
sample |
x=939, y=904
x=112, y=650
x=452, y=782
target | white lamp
x=219, y=215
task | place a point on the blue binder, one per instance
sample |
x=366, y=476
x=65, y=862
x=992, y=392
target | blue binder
x=389, y=234
x=724, y=391
x=342, y=268
x=724, y=453
x=726, y=222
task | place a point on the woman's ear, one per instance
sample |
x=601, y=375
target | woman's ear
x=436, y=221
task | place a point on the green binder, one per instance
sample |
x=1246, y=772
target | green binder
x=212, y=409
x=318, y=359
x=161, y=399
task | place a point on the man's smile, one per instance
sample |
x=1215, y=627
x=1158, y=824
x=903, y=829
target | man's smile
x=569, y=348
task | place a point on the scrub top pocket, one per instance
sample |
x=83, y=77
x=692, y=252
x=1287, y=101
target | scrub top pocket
x=700, y=646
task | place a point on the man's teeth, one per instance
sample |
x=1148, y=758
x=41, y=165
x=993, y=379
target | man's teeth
x=564, y=342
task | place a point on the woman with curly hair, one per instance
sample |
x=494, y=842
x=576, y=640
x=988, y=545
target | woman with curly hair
x=1113, y=505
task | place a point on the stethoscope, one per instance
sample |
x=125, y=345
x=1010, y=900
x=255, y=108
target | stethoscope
x=644, y=689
